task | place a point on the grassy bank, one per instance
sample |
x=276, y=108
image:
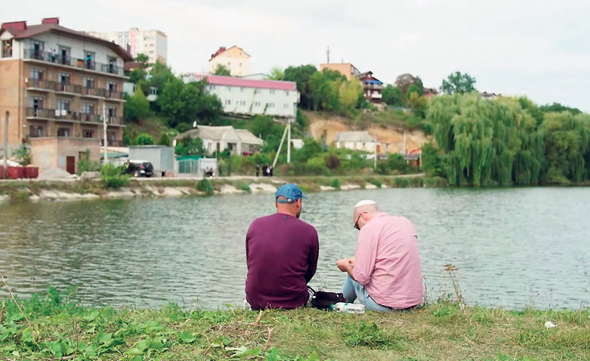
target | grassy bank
x=22, y=189
x=54, y=327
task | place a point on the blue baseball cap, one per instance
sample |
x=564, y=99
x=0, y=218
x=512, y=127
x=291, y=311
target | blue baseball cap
x=290, y=191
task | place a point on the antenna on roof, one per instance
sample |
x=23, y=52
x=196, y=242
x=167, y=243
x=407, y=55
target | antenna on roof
x=328, y=54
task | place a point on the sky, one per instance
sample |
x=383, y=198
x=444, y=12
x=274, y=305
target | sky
x=538, y=48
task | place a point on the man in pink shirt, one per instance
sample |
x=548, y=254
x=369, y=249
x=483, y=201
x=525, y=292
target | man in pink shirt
x=385, y=274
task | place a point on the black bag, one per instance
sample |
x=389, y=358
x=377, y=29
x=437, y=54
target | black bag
x=324, y=300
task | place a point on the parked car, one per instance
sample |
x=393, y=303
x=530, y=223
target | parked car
x=139, y=168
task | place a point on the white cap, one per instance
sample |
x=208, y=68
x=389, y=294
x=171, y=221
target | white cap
x=366, y=202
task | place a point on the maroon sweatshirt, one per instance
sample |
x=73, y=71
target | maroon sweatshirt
x=282, y=256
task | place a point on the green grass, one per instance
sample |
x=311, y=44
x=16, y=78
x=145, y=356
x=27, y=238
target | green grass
x=56, y=327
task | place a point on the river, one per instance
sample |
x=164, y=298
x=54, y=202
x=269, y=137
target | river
x=514, y=247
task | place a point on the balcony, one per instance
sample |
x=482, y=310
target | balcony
x=373, y=86
x=115, y=95
x=112, y=143
x=92, y=92
x=115, y=120
x=89, y=65
x=40, y=85
x=71, y=89
x=41, y=114
x=90, y=118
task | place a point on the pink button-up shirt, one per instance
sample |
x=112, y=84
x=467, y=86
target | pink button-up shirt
x=388, y=262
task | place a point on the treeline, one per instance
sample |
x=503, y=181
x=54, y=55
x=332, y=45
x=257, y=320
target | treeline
x=506, y=141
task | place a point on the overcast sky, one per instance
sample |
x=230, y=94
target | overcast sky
x=540, y=48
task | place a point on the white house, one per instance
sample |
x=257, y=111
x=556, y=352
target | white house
x=237, y=141
x=357, y=140
x=241, y=96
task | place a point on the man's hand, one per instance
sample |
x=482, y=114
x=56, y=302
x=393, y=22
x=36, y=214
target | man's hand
x=352, y=261
x=344, y=265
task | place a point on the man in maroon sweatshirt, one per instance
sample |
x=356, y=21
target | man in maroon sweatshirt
x=282, y=254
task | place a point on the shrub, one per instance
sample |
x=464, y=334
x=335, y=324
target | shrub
x=332, y=162
x=243, y=186
x=205, y=186
x=375, y=182
x=113, y=177
x=144, y=139
x=335, y=183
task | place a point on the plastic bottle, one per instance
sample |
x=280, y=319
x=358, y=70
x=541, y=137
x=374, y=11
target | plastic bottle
x=348, y=307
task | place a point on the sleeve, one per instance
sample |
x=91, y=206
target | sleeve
x=312, y=257
x=366, y=254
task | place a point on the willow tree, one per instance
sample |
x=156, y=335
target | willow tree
x=567, y=145
x=485, y=141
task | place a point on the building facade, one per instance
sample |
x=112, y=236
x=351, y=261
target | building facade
x=58, y=85
x=235, y=59
x=346, y=69
x=250, y=97
x=152, y=43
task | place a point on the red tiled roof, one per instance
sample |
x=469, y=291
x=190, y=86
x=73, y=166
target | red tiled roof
x=246, y=83
x=219, y=51
x=34, y=30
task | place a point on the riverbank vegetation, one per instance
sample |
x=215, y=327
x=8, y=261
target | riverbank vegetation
x=506, y=141
x=57, y=327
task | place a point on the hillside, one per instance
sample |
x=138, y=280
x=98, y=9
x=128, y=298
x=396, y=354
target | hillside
x=328, y=125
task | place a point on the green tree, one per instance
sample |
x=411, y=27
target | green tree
x=137, y=107
x=324, y=91
x=165, y=139
x=189, y=146
x=412, y=89
x=276, y=74
x=417, y=103
x=556, y=107
x=348, y=93
x=302, y=75
x=144, y=139
x=567, y=144
x=392, y=96
x=486, y=142
x=458, y=83
x=222, y=70
x=531, y=108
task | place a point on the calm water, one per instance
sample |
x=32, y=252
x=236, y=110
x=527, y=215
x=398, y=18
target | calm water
x=514, y=247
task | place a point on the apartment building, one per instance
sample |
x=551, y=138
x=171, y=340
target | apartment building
x=153, y=43
x=58, y=85
x=235, y=59
x=249, y=97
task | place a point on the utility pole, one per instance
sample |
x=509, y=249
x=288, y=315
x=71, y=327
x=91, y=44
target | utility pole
x=6, y=145
x=289, y=133
x=280, y=146
x=375, y=160
x=104, y=125
x=328, y=54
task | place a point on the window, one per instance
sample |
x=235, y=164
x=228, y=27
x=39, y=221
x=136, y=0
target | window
x=256, y=104
x=271, y=105
x=35, y=131
x=89, y=83
x=228, y=88
x=64, y=55
x=286, y=92
x=63, y=78
x=63, y=132
x=88, y=108
x=36, y=77
x=272, y=91
x=89, y=60
x=242, y=89
x=227, y=102
x=243, y=102
x=7, y=48
x=111, y=112
x=286, y=106
x=87, y=133
x=211, y=87
x=111, y=86
x=37, y=103
x=63, y=105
